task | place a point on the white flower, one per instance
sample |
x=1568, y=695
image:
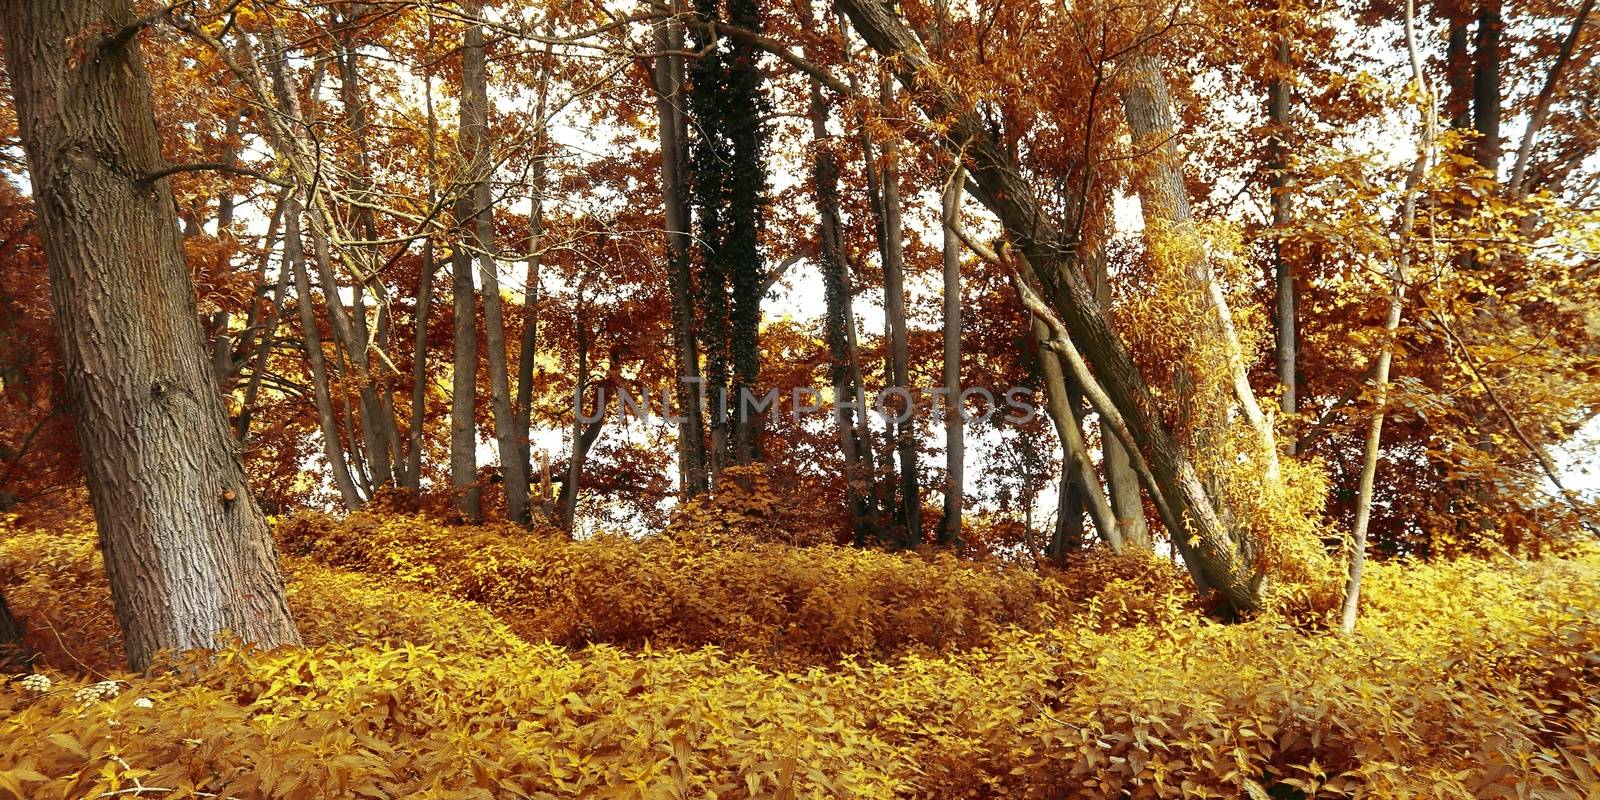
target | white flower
x=144, y=702
x=38, y=684
x=104, y=690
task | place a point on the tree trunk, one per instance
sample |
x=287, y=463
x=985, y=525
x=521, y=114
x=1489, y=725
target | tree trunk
x=187, y=550
x=1285, y=329
x=1122, y=480
x=261, y=334
x=839, y=324
x=744, y=127
x=464, y=396
x=10, y=628
x=1169, y=225
x=894, y=303
x=528, y=351
x=419, y=345
x=709, y=158
x=378, y=410
x=1486, y=86
x=1061, y=406
x=954, y=422
x=332, y=449
x=475, y=141
x=675, y=200
x=584, y=432
x=1380, y=374
x=1210, y=548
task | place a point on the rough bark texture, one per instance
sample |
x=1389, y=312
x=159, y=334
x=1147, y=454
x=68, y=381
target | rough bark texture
x=186, y=548
x=692, y=465
x=1209, y=547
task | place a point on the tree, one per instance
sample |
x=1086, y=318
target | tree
x=1210, y=548
x=669, y=78
x=954, y=423
x=472, y=228
x=727, y=112
x=186, y=548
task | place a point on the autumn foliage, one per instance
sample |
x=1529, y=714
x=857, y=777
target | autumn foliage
x=434, y=676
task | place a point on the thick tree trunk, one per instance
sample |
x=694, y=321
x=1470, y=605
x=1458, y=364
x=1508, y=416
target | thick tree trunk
x=1210, y=548
x=747, y=189
x=668, y=75
x=708, y=166
x=954, y=423
x=186, y=549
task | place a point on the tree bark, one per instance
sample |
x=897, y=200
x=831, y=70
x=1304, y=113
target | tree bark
x=839, y=323
x=584, y=433
x=412, y=479
x=1380, y=375
x=692, y=468
x=187, y=550
x=475, y=140
x=464, y=396
x=894, y=303
x=332, y=449
x=1486, y=85
x=1169, y=223
x=1122, y=480
x=261, y=335
x=1060, y=405
x=1286, y=328
x=954, y=421
x=1209, y=547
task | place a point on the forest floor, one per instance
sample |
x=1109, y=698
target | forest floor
x=486, y=662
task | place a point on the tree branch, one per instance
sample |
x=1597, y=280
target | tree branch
x=174, y=169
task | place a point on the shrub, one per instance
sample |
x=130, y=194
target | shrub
x=1487, y=694
x=56, y=585
x=782, y=604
